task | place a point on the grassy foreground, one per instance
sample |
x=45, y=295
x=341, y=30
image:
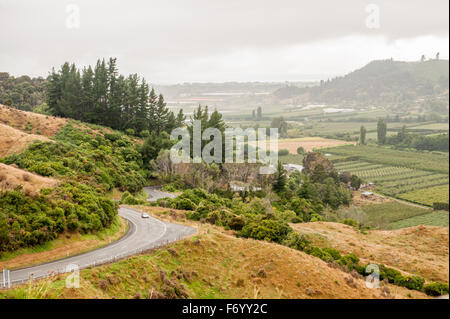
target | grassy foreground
x=213, y=264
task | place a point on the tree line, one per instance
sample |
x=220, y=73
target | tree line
x=404, y=139
x=99, y=95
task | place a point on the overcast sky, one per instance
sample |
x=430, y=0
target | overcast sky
x=174, y=41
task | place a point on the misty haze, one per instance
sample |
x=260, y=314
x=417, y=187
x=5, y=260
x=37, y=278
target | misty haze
x=225, y=150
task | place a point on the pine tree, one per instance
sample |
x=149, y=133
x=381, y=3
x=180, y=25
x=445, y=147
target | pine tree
x=71, y=99
x=180, y=118
x=87, y=87
x=161, y=115
x=54, y=92
x=281, y=178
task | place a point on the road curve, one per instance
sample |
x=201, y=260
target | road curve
x=154, y=193
x=143, y=234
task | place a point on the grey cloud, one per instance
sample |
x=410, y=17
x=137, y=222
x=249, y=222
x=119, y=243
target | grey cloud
x=164, y=33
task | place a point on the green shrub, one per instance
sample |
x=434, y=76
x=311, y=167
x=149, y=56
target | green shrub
x=185, y=204
x=28, y=221
x=296, y=220
x=319, y=253
x=296, y=241
x=283, y=152
x=436, y=289
x=267, y=229
x=349, y=222
x=332, y=252
x=413, y=282
x=236, y=223
x=440, y=206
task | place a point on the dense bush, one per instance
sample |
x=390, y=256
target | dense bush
x=28, y=221
x=283, y=152
x=296, y=241
x=413, y=282
x=267, y=229
x=440, y=206
x=107, y=162
x=436, y=289
x=89, y=162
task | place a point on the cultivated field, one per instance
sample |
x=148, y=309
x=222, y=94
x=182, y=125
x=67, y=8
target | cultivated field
x=384, y=215
x=428, y=161
x=419, y=186
x=420, y=177
x=308, y=143
x=427, y=196
x=435, y=218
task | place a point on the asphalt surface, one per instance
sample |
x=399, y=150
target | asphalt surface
x=154, y=193
x=143, y=234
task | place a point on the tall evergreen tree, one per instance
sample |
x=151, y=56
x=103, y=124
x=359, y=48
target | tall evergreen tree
x=161, y=115
x=362, y=135
x=381, y=131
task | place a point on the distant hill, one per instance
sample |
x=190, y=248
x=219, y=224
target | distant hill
x=384, y=82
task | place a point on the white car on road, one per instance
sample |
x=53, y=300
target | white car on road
x=145, y=215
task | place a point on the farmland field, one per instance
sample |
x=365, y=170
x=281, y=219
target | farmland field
x=383, y=215
x=437, y=218
x=419, y=177
x=428, y=195
x=428, y=161
x=432, y=126
x=308, y=143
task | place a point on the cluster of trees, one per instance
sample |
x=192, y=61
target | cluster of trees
x=406, y=139
x=281, y=125
x=257, y=114
x=22, y=92
x=100, y=95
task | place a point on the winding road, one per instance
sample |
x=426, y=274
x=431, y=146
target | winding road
x=143, y=234
x=154, y=193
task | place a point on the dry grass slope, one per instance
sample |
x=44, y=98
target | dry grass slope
x=11, y=177
x=421, y=250
x=14, y=141
x=37, y=123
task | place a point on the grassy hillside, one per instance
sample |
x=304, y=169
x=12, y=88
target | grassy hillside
x=420, y=250
x=382, y=82
x=214, y=264
x=83, y=164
